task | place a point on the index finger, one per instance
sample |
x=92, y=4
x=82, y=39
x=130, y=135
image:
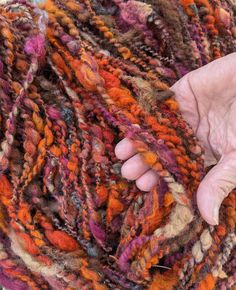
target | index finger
x=125, y=149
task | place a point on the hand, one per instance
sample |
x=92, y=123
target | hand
x=207, y=100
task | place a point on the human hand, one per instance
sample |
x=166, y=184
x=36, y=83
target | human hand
x=207, y=100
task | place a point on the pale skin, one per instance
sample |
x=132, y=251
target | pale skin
x=207, y=100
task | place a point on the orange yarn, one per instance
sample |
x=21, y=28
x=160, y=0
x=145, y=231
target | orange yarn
x=164, y=282
x=5, y=190
x=110, y=80
x=28, y=244
x=61, y=240
x=208, y=283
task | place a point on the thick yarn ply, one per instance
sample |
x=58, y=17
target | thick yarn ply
x=76, y=77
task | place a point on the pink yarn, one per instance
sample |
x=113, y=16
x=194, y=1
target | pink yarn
x=35, y=46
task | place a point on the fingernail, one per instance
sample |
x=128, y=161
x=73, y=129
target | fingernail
x=216, y=214
x=136, y=125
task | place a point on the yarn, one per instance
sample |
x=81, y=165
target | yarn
x=76, y=77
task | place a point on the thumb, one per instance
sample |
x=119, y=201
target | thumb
x=216, y=186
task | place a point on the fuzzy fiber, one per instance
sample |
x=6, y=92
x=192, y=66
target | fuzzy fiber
x=76, y=77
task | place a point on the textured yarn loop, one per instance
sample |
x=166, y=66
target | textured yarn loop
x=76, y=77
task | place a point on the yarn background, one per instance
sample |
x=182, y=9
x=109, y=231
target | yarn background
x=73, y=83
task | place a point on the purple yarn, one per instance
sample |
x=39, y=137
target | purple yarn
x=53, y=113
x=36, y=46
x=66, y=38
x=97, y=232
x=11, y=284
x=116, y=223
x=121, y=280
x=162, y=189
x=1, y=68
x=123, y=261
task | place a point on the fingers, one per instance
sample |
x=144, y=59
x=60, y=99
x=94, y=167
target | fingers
x=135, y=168
x=125, y=149
x=215, y=187
x=147, y=181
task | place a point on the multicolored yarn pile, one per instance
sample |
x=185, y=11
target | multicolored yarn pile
x=75, y=78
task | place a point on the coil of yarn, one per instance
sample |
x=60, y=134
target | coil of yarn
x=76, y=77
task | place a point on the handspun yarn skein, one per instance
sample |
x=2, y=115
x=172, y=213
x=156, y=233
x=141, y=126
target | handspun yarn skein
x=75, y=78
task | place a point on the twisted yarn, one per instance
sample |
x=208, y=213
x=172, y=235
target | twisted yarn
x=76, y=77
